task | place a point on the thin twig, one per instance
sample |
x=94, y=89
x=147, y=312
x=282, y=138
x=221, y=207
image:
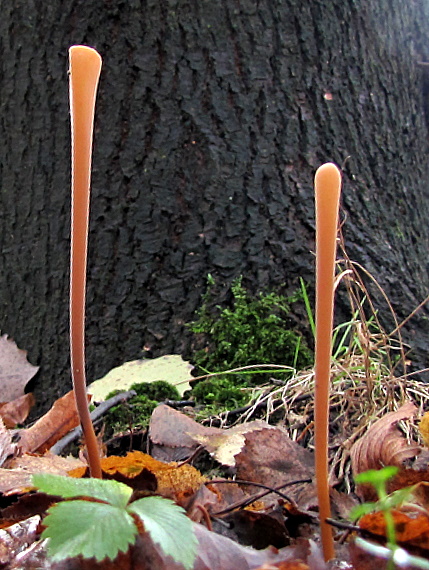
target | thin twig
x=99, y=411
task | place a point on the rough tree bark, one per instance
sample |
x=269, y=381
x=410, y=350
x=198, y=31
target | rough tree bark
x=212, y=118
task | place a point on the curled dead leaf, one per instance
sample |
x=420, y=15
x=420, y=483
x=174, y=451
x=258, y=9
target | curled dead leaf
x=383, y=444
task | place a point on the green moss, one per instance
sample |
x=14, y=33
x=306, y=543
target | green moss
x=251, y=331
x=158, y=390
x=220, y=391
x=136, y=412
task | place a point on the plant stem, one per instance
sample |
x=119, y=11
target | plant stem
x=85, y=67
x=327, y=193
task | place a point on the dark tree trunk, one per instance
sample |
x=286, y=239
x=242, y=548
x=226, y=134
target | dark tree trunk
x=212, y=118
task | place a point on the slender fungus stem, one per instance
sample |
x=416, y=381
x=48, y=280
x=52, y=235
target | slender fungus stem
x=85, y=67
x=327, y=189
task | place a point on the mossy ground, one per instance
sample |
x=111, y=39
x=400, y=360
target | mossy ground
x=135, y=413
x=250, y=331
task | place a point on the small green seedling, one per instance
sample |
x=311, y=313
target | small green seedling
x=102, y=529
x=386, y=503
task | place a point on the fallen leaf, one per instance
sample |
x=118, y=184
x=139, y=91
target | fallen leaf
x=411, y=531
x=270, y=457
x=171, y=368
x=16, y=411
x=383, y=444
x=18, y=476
x=14, y=481
x=51, y=427
x=172, y=434
x=47, y=463
x=19, y=538
x=25, y=506
x=225, y=444
x=257, y=529
x=424, y=428
x=7, y=448
x=15, y=370
x=175, y=482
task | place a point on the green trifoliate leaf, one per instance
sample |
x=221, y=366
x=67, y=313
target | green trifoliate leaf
x=92, y=530
x=169, y=527
x=112, y=492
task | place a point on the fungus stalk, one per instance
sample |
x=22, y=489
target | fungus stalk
x=327, y=193
x=85, y=67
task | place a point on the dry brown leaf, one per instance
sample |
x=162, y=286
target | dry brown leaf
x=175, y=435
x=12, y=482
x=171, y=431
x=383, y=444
x=18, y=476
x=270, y=457
x=7, y=448
x=225, y=444
x=16, y=411
x=17, y=540
x=47, y=463
x=15, y=370
x=51, y=427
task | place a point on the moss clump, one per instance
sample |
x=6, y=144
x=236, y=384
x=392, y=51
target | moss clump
x=136, y=412
x=220, y=391
x=251, y=331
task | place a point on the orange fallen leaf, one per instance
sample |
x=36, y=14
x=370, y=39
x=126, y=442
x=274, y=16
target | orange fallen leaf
x=178, y=483
x=51, y=427
x=411, y=530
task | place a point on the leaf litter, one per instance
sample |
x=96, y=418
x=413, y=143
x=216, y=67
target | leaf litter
x=258, y=509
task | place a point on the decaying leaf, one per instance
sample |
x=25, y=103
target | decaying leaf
x=21, y=469
x=16, y=411
x=172, y=434
x=172, y=481
x=15, y=370
x=424, y=428
x=411, y=530
x=7, y=448
x=20, y=538
x=170, y=368
x=51, y=427
x=225, y=444
x=383, y=444
x=270, y=457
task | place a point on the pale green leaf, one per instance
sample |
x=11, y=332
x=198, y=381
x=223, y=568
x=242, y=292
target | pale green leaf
x=112, y=492
x=171, y=368
x=169, y=527
x=92, y=530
